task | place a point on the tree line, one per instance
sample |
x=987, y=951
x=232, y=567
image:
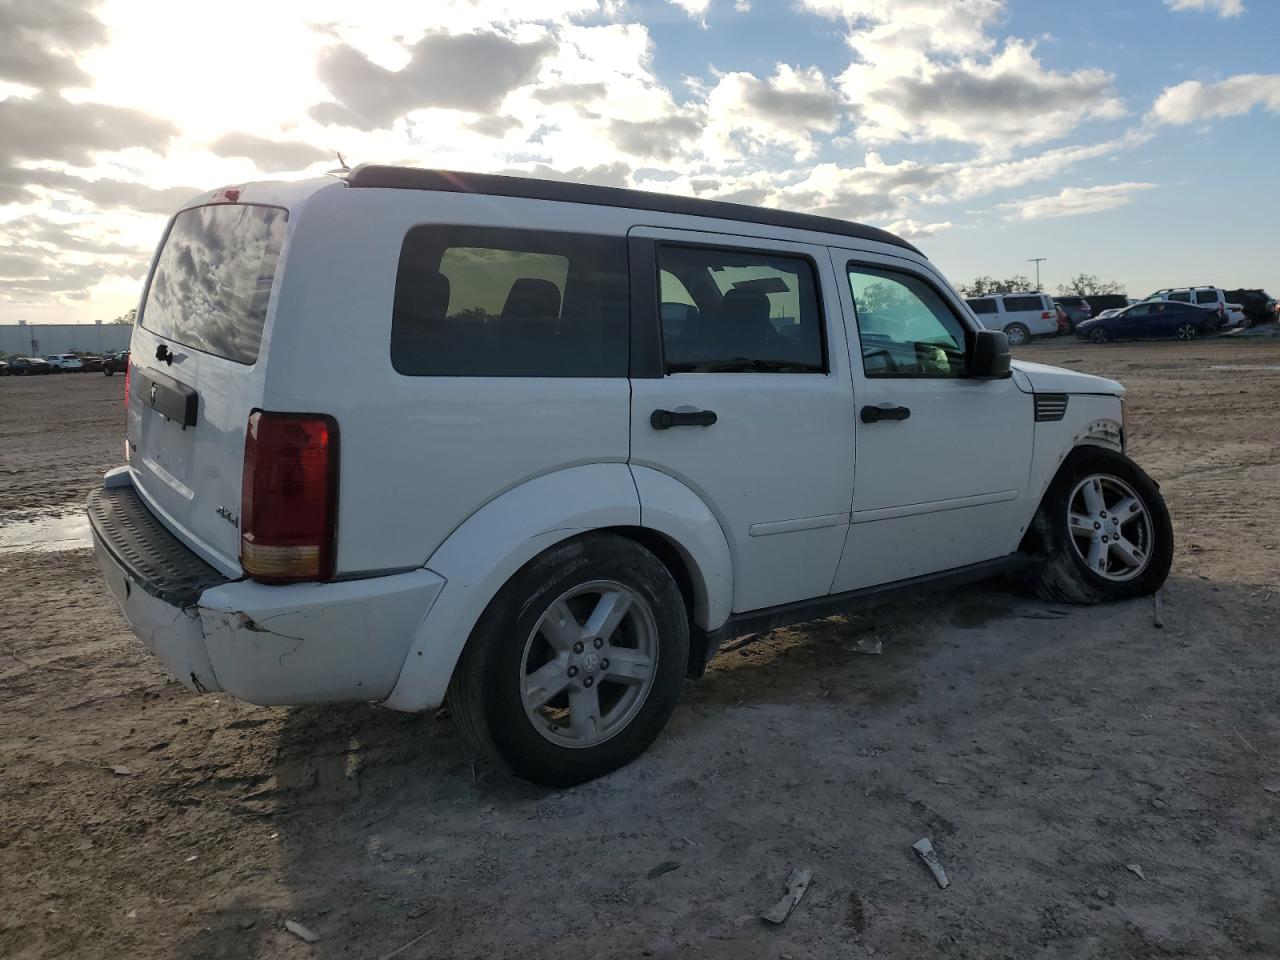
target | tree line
x=1081, y=285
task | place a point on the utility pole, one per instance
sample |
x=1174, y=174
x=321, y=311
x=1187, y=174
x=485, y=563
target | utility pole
x=1037, y=261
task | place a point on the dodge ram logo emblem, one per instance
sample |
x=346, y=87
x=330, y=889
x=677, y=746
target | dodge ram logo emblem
x=152, y=394
x=590, y=662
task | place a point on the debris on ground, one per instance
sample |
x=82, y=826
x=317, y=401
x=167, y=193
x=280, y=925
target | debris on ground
x=666, y=866
x=797, y=884
x=925, y=849
x=1135, y=869
x=871, y=646
x=1158, y=603
x=121, y=770
x=1271, y=787
x=399, y=950
x=301, y=932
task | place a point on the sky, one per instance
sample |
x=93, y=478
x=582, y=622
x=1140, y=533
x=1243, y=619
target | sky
x=1132, y=139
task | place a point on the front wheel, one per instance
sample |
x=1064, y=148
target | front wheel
x=1104, y=531
x=1187, y=332
x=1017, y=334
x=576, y=664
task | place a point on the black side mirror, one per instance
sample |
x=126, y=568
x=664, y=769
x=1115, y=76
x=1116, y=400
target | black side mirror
x=987, y=355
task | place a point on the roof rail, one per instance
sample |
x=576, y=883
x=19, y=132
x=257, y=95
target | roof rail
x=498, y=185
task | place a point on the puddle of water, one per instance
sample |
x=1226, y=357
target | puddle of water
x=1269, y=368
x=27, y=530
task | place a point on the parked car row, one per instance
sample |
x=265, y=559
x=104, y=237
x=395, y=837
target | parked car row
x=63, y=363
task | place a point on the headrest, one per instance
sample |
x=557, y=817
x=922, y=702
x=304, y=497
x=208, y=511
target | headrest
x=532, y=299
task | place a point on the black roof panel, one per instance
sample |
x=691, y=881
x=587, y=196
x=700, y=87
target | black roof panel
x=497, y=185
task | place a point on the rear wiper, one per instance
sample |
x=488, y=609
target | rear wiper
x=745, y=364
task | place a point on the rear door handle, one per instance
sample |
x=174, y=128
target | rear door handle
x=884, y=411
x=666, y=419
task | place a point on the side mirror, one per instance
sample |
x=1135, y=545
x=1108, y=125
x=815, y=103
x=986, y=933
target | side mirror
x=987, y=355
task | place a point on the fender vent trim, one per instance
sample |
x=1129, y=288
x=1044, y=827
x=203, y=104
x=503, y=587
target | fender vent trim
x=1050, y=406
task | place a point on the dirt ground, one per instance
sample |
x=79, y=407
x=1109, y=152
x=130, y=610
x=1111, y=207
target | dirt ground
x=1043, y=749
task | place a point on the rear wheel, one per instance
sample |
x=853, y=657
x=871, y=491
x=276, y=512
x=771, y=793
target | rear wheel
x=1099, y=335
x=1017, y=334
x=1104, y=531
x=1187, y=331
x=576, y=664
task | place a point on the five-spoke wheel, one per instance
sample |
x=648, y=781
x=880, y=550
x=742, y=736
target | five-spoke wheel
x=1110, y=527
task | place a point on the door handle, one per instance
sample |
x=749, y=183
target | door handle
x=666, y=419
x=884, y=411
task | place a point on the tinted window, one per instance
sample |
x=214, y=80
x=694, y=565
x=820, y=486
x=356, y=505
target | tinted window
x=904, y=326
x=213, y=280
x=489, y=302
x=982, y=306
x=1181, y=296
x=1015, y=304
x=728, y=311
x=1206, y=296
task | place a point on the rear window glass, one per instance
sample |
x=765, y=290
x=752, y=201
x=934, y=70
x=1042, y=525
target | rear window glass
x=1206, y=296
x=213, y=280
x=1181, y=296
x=494, y=302
x=1014, y=304
x=982, y=306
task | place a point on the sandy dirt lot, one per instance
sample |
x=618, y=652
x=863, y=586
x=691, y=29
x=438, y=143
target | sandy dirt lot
x=1043, y=749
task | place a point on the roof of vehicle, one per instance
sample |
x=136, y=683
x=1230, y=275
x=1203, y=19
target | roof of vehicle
x=413, y=178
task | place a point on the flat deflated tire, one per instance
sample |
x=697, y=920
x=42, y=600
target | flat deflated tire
x=1104, y=531
x=575, y=666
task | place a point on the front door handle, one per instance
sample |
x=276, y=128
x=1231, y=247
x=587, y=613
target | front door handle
x=884, y=411
x=666, y=419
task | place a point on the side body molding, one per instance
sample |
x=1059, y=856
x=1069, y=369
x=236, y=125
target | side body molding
x=491, y=545
x=679, y=514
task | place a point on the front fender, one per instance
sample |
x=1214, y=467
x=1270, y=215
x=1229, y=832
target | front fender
x=489, y=547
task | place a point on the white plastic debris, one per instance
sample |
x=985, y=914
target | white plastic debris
x=797, y=884
x=301, y=932
x=930, y=857
x=1135, y=869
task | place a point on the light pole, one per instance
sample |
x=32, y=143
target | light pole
x=1037, y=261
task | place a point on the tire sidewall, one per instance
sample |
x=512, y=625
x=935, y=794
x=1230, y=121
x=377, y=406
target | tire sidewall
x=1057, y=539
x=1023, y=334
x=512, y=616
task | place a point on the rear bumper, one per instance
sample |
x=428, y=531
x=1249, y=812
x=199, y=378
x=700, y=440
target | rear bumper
x=298, y=643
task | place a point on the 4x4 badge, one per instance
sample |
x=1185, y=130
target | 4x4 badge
x=152, y=394
x=230, y=517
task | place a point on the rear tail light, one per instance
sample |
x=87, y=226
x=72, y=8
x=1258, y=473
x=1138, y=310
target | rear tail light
x=1046, y=315
x=289, y=497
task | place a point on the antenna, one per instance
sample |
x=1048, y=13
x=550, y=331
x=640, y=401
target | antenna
x=342, y=164
x=341, y=170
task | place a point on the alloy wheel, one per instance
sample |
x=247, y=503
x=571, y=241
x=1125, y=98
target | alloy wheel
x=589, y=663
x=1110, y=527
x=1187, y=331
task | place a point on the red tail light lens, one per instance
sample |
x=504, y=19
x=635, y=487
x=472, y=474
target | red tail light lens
x=289, y=497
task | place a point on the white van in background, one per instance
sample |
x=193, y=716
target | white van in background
x=1020, y=315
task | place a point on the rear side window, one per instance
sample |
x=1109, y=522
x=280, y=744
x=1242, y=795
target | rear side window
x=1015, y=304
x=495, y=302
x=982, y=306
x=1206, y=296
x=1180, y=296
x=213, y=280
x=735, y=311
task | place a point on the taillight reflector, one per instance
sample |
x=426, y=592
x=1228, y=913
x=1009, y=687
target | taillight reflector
x=289, y=497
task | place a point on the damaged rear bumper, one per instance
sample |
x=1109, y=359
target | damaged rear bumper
x=289, y=644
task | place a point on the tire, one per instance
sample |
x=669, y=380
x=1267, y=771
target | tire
x=1187, y=332
x=106, y=371
x=1099, y=335
x=1066, y=574
x=1017, y=334
x=495, y=705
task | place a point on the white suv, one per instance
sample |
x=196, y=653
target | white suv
x=579, y=437
x=1020, y=315
x=1213, y=299
x=64, y=361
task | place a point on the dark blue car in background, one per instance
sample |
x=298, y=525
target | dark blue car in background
x=1150, y=319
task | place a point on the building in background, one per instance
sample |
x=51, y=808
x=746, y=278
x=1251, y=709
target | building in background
x=41, y=339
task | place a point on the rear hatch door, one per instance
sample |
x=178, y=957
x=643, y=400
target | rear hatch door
x=198, y=368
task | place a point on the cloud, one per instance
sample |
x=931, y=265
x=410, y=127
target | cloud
x=18, y=185
x=664, y=139
x=272, y=156
x=1005, y=102
x=493, y=126
x=696, y=9
x=1074, y=201
x=39, y=40
x=34, y=276
x=471, y=71
x=748, y=114
x=1223, y=8
x=48, y=127
x=1191, y=101
x=605, y=175
x=884, y=31
x=910, y=229
x=67, y=237
x=570, y=93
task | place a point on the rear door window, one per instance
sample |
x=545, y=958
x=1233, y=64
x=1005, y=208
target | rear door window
x=212, y=282
x=982, y=306
x=496, y=302
x=1180, y=296
x=734, y=311
x=1206, y=296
